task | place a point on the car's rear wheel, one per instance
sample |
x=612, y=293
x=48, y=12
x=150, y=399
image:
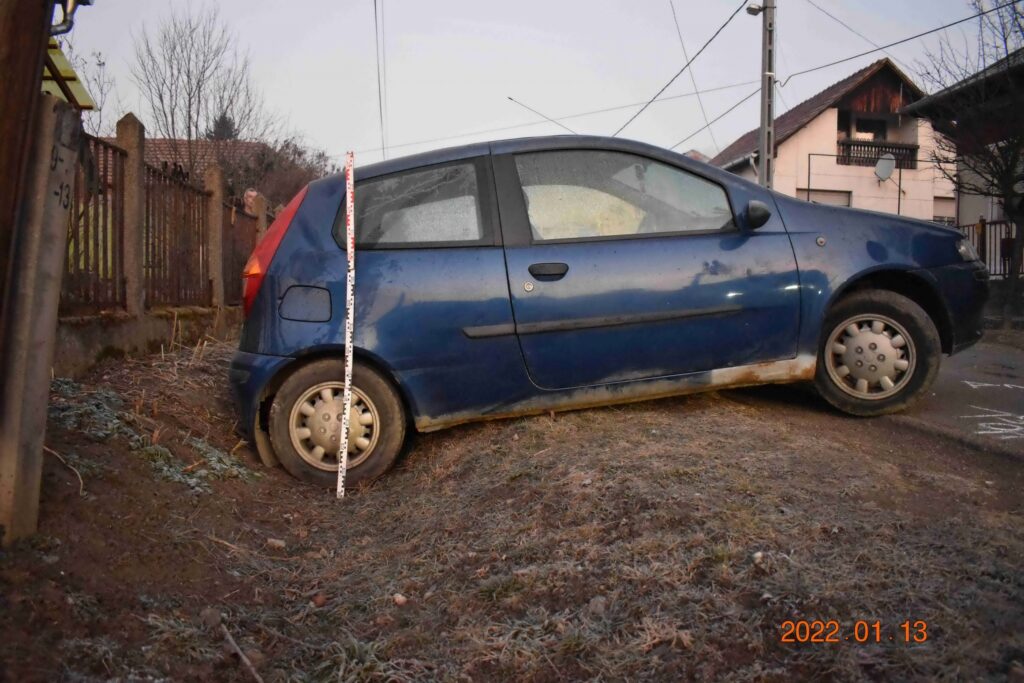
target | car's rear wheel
x=305, y=423
x=880, y=352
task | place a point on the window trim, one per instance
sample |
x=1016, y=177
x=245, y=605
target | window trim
x=509, y=163
x=486, y=202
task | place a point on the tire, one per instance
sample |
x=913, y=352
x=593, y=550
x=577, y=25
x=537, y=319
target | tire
x=879, y=353
x=377, y=423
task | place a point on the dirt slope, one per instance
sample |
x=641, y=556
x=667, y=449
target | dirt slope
x=667, y=540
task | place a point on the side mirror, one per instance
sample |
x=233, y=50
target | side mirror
x=758, y=214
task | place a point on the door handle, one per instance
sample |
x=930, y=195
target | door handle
x=549, y=271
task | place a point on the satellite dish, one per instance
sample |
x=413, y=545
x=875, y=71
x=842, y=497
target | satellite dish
x=885, y=166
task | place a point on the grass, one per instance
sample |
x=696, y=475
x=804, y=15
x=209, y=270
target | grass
x=658, y=541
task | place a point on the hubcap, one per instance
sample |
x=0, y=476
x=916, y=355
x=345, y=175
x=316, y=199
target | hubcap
x=315, y=426
x=870, y=356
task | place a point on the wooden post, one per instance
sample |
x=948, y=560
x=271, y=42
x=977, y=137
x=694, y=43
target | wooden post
x=131, y=137
x=213, y=181
x=983, y=241
x=30, y=305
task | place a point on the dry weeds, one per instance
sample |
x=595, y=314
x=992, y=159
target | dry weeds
x=657, y=541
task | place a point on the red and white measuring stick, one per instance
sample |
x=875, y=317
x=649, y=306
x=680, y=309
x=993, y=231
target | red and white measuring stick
x=350, y=312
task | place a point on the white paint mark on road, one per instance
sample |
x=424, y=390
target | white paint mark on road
x=978, y=385
x=998, y=423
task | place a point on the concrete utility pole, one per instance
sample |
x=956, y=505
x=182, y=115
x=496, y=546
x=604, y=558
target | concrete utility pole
x=766, y=146
x=24, y=31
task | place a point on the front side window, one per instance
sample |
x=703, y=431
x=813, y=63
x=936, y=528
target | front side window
x=428, y=206
x=585, y=194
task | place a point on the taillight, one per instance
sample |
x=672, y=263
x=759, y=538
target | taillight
x=259, y=262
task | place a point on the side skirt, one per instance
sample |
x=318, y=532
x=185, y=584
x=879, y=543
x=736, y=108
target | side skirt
x=797, y=369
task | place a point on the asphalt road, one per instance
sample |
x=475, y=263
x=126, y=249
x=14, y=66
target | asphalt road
x=977, y=399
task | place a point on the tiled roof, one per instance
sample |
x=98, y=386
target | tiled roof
x=205, y=152
x=799, y=116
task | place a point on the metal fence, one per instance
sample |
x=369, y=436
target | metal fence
x=994, y=242
x=176, y=269
x=94, y=269
x=239, y=232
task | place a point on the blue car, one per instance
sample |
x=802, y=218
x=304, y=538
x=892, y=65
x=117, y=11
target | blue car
x=530, y=275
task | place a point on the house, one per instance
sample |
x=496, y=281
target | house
x=986, y=104
x=828, y=145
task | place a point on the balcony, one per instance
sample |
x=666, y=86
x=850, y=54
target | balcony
x=866, y=153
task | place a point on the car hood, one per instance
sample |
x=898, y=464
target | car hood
x=893, y=240
x=825, y=214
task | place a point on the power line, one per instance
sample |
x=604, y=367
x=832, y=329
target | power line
x=693, y=79
x=899, y=42
x=853, y=31
x=384, y=62
x=778, y=91
x=560, y=118
x=679, y=73
x=546, y=118
x=380, y=96
x=846, y=59
x=716, y=118
x=785, y=62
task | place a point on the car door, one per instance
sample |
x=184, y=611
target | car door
x=623, y=267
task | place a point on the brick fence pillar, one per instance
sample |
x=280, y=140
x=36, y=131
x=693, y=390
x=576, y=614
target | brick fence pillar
x=213, y=181
x=131, y=137
x=260, y=207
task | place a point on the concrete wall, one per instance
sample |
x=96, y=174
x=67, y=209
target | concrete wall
x=920, y=186
x=83, y=341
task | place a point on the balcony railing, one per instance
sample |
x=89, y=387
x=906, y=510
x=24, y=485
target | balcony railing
x=867, y=152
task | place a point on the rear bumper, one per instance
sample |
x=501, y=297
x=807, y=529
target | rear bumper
x=249, y=374
x=964, y=289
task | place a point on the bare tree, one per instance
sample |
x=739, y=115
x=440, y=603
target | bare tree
x=98, y=82
x=279, y=171
x=981, y=143
x=190, y=71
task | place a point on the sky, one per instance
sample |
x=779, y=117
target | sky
x=451, y=65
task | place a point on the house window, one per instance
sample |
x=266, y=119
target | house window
x=830, y=197
x=944, y=210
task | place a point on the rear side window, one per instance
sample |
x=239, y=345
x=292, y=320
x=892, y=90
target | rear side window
x=437, y=206
x=587, y=194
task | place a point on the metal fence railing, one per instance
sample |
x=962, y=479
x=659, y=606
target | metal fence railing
x=994, y=242
x=239, y=232
x=176, y=269
x=94, y=269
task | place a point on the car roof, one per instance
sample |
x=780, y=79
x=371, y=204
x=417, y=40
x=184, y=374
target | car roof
x=532, y=144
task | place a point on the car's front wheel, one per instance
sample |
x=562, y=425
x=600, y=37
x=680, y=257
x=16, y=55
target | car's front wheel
x=305, y=423
x=880, y=352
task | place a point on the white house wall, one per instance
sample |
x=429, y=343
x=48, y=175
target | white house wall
x=920, y=186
